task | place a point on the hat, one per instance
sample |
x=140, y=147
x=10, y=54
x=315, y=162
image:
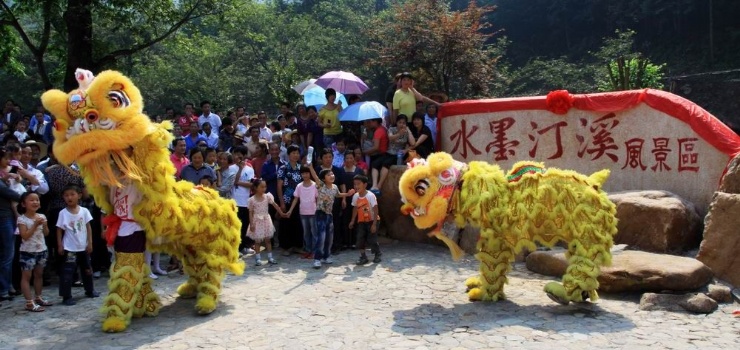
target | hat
x=44, y=148
x=253, y=116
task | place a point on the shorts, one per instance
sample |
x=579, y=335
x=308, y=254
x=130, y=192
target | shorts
x=384, y=160
x=29, y=260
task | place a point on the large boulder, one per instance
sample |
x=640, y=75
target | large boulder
x=656, y=221
x=731, y=180
x=399, y=226
x=720, y=249
x=632, y=271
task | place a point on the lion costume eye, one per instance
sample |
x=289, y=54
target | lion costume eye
x=119, y=99
x=421, y=187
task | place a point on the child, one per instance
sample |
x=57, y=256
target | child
x=33, y=252
x=365, y=211
x=306, y=191
x=207, y=182
x=261, y=228
x=74, y=239
x=327, y=192
x=339, y=148
x=211, y=157
x=359, y=160
x=20, y=131
x=11, y=165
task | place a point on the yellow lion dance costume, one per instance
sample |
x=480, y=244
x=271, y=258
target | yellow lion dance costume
x=101, y=127
x=513, y=211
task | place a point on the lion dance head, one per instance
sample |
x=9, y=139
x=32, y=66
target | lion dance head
x=97, y=124
x=429, y=189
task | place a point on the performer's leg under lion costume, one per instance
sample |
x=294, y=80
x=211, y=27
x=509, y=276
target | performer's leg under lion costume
x=513, y=211
x=119, y=150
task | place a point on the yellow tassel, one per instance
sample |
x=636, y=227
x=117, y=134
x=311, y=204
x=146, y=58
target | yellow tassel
x=455, y=249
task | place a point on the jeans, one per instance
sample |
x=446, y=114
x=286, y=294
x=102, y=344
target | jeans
x=72, y=261
x=325, y=225
x=7, y=250
x=365, y=237
x=309, y=231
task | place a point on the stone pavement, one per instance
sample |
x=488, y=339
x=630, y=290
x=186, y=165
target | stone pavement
x=414, y=299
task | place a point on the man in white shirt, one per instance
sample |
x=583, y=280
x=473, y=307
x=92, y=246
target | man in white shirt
x=265, y=132
x=26, y=154
x=207, y=116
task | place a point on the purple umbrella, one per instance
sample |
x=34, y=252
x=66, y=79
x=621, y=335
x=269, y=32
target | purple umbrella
x=343, y=82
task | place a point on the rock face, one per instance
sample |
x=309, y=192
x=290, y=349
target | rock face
x=692, y=302
x=720, y=294
x=720, y=249
x=731, y=180
x=632, y=271
x=400, y=227
x=656, y=221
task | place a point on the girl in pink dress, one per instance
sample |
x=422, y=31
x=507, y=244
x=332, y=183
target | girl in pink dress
x=261, y=228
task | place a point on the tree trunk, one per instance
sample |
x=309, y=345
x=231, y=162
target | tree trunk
x=78, y=19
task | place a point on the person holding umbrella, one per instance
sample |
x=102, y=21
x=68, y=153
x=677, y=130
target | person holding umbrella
x=329, y=118
x=404, y=100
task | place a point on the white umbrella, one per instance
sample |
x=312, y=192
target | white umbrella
x=305, y=85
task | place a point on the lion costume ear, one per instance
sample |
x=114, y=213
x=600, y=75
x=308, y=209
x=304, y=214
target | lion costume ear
x=55, y=101
x=439, y=162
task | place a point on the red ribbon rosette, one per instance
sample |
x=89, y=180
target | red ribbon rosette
x=559, y=101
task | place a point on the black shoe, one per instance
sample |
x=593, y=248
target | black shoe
x=14, y=293
x=6, y=298
x=362, y=261
x=377, y=258
x=93, y=294
x=69, y=301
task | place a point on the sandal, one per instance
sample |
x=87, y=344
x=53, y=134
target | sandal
x=33, y=307
x=43, y=302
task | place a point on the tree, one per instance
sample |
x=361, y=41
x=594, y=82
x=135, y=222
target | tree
x=540, y=76
x=626, y=69
x=95, y=34
x=448, y=48
x=252, y=55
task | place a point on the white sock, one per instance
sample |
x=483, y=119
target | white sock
x=155, y=260
x=269, y=255
x=257, y=256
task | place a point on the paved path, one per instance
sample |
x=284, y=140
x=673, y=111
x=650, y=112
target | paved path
x=412, y=300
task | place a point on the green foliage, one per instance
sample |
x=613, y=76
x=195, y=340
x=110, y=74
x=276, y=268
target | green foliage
x=626, y=69
x=629, y=74
x=10, y=51
x=254, y=54
x=541, y=75
x=251, y=53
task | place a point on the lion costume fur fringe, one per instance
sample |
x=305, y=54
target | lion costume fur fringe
x=513, y=211
x=101, y=127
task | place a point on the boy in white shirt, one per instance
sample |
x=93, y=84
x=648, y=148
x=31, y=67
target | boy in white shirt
x=74, y=239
